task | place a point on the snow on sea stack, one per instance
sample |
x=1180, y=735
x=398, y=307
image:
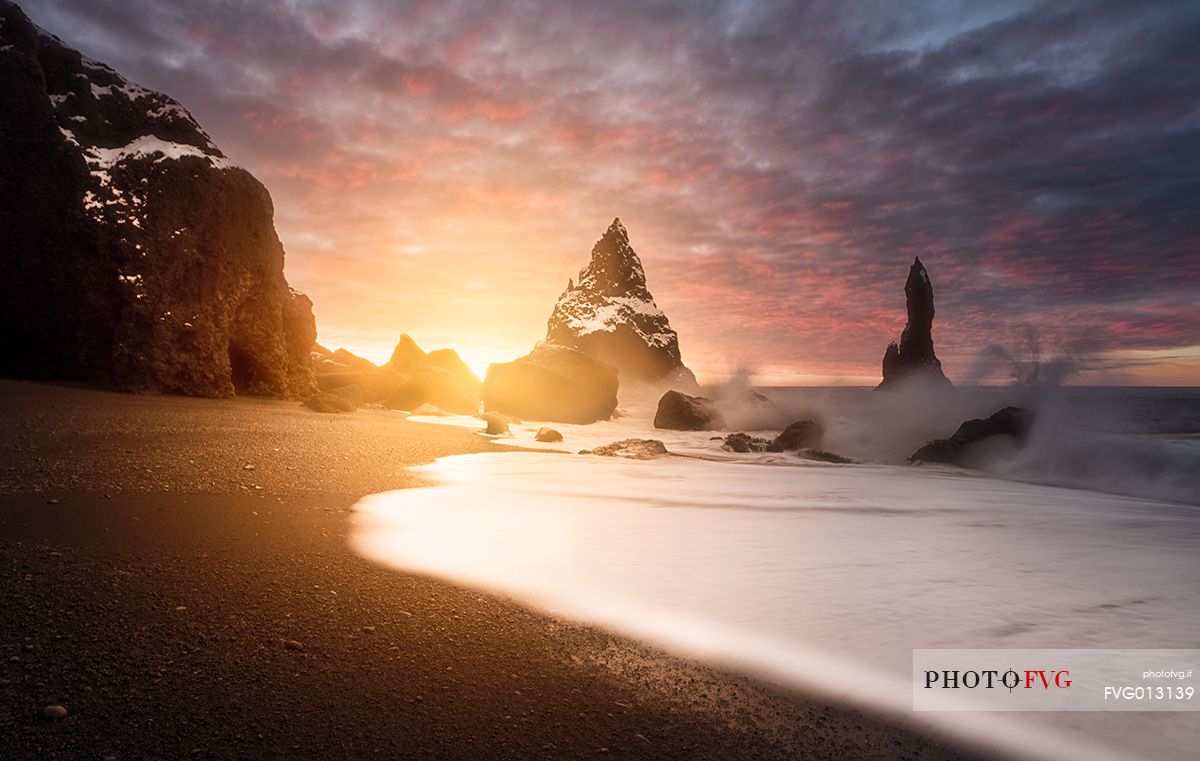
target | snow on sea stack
x=135, y=255
x=913, y=359
x=610, y=314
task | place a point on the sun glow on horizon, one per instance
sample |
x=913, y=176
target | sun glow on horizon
x=477, y=352
x=446, y=174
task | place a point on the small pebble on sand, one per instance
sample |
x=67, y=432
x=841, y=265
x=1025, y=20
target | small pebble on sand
x=54, y=712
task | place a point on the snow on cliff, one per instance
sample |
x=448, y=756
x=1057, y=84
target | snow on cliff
x=610, y=313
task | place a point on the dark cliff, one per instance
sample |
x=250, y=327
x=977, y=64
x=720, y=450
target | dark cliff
x=134, y=254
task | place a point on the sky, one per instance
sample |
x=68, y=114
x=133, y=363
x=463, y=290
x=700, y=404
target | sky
x=442, y=168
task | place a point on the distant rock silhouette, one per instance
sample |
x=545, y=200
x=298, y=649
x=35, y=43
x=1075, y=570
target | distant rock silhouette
x=913, y=358
x=554, y=383
x=407, y=356
x=351, y=361
x=411, y=379
x=679, y=412
x=342, y=369
x=1011, y=422
x=136, y=255
x=439, y=378
x=610, y=314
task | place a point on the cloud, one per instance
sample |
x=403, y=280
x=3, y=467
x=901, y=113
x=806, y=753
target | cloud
x=778, y=164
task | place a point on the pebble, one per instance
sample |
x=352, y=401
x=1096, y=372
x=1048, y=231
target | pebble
x=54, y=712
x=292, y=644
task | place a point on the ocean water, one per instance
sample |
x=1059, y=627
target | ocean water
x=826, y=577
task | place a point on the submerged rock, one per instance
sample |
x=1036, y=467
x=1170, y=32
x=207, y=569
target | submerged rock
x=610, y=314
x=821, y=455
x=680, y=412
x=744, y=442
x=136, y=255
x=1011, y=422
x=547, y=435
x=913, y=357
x=754, y=400
x=634, y=449
x=429, y=410
x=326, y=402
x=803, y=434
x=553, y=383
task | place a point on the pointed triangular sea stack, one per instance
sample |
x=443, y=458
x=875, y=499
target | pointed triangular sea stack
x=609, y=313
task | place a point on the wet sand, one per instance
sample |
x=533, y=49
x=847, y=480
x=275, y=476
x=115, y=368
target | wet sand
x=175, y=572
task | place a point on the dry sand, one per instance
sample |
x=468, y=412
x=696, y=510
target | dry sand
x=175, y=573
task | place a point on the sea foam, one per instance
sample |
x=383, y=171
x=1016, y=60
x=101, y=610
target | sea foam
x=824, y=577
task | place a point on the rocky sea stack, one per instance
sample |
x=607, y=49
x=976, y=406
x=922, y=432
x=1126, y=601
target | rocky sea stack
x=913, y=359
x=609, y=313
x=136, y=256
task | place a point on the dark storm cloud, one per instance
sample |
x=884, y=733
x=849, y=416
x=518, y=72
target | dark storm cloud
x=783, y=161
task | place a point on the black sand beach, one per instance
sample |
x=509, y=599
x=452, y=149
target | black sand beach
x=175, y=573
